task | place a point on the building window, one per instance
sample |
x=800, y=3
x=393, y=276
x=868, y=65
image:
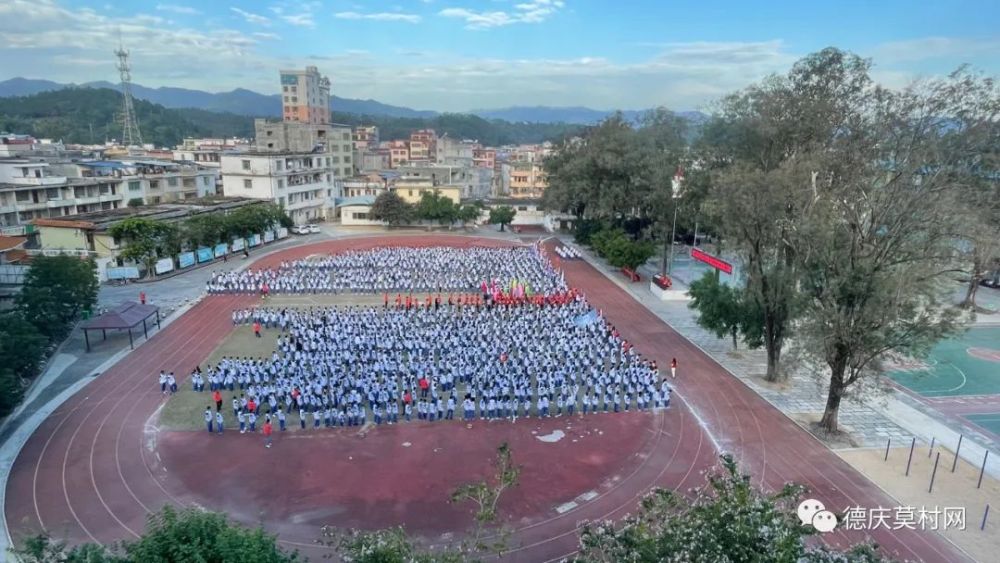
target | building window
x=281, y=184
x=335, y=160
x=248, y=184
x=134, y=186
x=172, y=182
x=522, y=207
x=277, y=165
x=205, y=180
x=154, y=184
x=411, y=193
x=347, y=148
x=361, y=216
x=246, y=165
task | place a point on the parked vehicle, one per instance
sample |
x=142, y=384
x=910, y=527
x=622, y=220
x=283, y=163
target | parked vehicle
x=314, y=229
x=301, y=229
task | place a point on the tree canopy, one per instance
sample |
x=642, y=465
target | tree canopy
x=392, y=209
x=729, y=520
x=57, y=289
x=502, y=215
x=844, y=201
x=171, y=536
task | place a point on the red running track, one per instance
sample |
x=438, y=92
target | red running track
x=98, y=465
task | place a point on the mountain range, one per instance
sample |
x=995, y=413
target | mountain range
x=247, y=102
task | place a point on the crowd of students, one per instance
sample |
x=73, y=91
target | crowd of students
x=398, y=269
x=345, y=366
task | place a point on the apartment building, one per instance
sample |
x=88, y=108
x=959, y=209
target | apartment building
x=425, y=138
x=399, y=152
x=305, y=96
x=365, y=137
x=149, y=182
x=293, y=137
x=372, y=160
x=527, y=180
x=472, y=182
x=305, y=184
x=207, y=152
x=484, y=157
x=30, y=189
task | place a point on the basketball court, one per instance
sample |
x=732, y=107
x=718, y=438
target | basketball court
x=966, y=365
x=960, y=376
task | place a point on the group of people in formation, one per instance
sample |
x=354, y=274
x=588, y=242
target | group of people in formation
x=400, y=269
x=347, y=366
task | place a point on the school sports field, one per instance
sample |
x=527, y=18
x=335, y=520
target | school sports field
x=102, y=461
x=961, y=377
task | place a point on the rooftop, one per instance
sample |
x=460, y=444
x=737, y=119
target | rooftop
x=10, y=243
x=358, y=200
x=102, y=220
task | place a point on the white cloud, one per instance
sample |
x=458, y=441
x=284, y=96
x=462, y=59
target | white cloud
x=300, y=14
x=251, y=17
x=301, y=20
x=929, y=48
x=534, y=11
x=178, y=9
x=379, y=16
x=266, y=35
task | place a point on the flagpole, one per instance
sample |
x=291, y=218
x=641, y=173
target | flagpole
x=673, y=234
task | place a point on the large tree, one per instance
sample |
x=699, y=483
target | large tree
x=57, y=289
x=879, y=252
x=433, y=206
x=502, y=215
x=392, y=209
x=761, y=148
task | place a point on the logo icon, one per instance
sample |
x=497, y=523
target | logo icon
x=812, y=512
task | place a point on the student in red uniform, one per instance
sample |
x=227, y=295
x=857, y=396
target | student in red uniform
x=217, y=397
x=256, y=328
x=673, y=368
x=424, y=386
x=267, y=432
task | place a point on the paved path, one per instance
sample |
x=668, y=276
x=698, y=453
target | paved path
x=93, y=470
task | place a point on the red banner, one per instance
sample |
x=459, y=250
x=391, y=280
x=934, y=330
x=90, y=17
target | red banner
x=712, y=261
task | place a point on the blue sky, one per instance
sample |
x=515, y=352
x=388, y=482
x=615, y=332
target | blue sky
x=456, y=55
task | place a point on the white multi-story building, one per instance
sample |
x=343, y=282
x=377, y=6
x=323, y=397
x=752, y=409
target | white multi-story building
x=30, y=189
x=151, y=181
x=305, y=184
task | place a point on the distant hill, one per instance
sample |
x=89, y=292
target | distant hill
x=239, y=101
x=246, y=102
x=89, y=115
